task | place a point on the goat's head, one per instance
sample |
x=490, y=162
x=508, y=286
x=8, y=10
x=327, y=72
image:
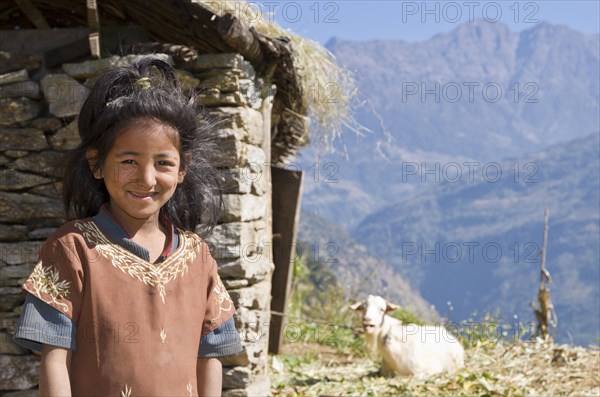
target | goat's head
x=372, y=311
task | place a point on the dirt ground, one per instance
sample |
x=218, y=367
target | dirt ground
x=518, y=369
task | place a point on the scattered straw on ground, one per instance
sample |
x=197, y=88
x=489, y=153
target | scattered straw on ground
x=521, y=369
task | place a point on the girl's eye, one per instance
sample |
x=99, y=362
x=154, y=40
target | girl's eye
x=163, y=163
x=128, y=162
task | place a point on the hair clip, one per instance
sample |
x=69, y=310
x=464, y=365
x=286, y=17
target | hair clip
x=143, y=83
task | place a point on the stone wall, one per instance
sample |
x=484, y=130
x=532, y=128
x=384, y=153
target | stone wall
x=38, y=111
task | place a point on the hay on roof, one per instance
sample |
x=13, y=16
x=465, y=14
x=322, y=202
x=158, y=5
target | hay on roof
x=326, y=91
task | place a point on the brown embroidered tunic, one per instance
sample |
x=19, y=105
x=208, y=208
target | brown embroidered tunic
x=138, y=323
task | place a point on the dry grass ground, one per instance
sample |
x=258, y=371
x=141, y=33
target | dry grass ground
x=516, y=369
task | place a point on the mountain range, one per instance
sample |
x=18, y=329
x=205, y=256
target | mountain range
x=474, y=132
x=439, y=100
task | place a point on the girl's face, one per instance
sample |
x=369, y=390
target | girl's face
x=141, y=170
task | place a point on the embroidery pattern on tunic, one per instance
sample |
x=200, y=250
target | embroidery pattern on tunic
x=155, y=275
x=190, y=389
x=45, y=280
x=222, y=299
x=126, y=391
x=163, y=335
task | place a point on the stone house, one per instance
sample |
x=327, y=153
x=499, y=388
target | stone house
x=50, y=53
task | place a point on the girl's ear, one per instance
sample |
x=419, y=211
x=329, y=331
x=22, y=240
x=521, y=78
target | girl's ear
x=91, y=155
x=181, y=176
x=183, y=168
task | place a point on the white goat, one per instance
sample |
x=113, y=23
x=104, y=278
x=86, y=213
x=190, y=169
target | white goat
x=407, y=349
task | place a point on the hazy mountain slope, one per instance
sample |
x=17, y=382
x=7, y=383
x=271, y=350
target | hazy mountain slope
x=488, y=236
x=358, y=269
x=560, y=65
x=550, y=93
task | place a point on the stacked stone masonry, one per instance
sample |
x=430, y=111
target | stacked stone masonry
x=38, y=110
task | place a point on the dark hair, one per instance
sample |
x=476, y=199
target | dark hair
x=146, y=89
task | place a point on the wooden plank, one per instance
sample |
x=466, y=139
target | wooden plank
x=66, y=53
x=114, y=40
x=39, y=41
x=94, y=25
x=287, y=191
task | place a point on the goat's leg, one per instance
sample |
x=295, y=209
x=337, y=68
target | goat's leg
x=386, y=369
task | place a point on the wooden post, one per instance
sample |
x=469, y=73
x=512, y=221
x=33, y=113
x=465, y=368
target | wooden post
x=546, y=315
x=94, y=25
x=287, y=191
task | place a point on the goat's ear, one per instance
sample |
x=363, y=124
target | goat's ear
x=357, y=306
x=390, y=307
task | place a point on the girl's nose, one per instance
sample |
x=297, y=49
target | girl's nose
x=147, y=175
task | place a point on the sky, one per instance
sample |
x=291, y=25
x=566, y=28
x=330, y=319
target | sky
x=360, y=20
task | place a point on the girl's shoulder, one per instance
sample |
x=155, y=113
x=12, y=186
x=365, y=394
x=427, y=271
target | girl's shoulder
x=69, y=231
x=65, y=247
x=191, y=241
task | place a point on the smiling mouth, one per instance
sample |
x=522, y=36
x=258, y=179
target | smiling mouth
x=142, y=196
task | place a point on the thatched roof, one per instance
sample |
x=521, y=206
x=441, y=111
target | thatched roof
x=291, y=63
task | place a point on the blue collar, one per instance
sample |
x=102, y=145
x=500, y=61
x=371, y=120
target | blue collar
x=111, y=228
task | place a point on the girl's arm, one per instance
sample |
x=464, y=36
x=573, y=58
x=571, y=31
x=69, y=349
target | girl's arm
x=210, y=377
x=54, y=372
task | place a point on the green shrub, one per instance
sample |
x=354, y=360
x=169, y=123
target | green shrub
x=319, y=310
x=406, y=316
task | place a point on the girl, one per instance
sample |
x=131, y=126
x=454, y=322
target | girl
x=126, y=300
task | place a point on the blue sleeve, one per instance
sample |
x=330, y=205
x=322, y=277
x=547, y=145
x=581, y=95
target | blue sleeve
x=41, y=324
x=223, y=341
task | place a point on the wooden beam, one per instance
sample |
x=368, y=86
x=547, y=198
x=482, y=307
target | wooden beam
x=33, y=13
x=240, y=37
